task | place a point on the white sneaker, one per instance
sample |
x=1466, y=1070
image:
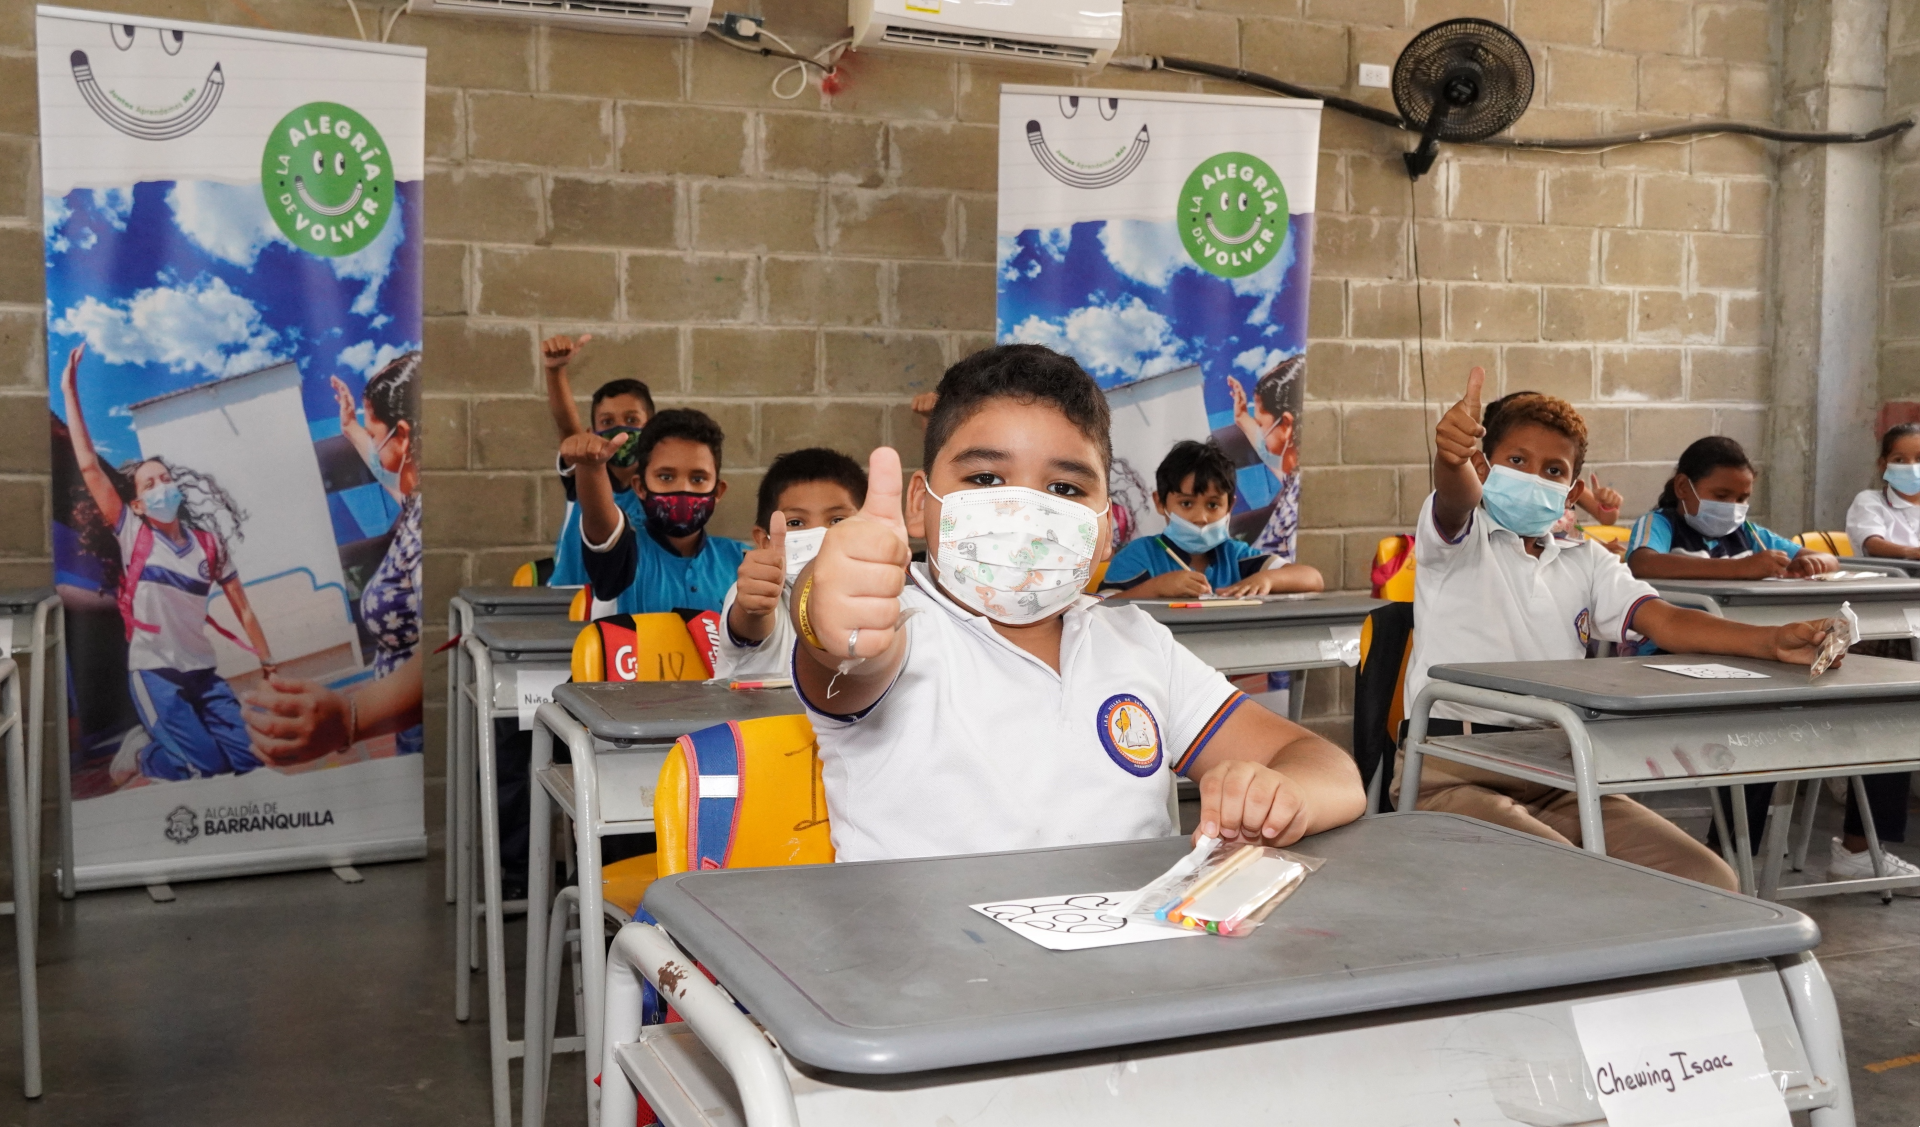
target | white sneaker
x=1847, y=865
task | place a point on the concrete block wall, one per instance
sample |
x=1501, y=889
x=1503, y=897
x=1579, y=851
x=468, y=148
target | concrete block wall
x=800, y=268
x=1900, y=316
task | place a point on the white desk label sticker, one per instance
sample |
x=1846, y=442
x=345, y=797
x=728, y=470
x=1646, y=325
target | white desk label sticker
x=533, y=688
x=1077, y=922
x=1342, y=646
x=1712, y=671
x=1687, y=1057
x=6, y=635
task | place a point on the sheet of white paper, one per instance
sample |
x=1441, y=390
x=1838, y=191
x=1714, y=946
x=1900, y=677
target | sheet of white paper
x=6, y=635
x=1687, y=1057
x=1712, y=671
x=1077, y=922
x=534, y=687
x=1342, y=645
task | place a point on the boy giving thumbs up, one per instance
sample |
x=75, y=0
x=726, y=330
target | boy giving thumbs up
x=980, y=701
x=1493, y=583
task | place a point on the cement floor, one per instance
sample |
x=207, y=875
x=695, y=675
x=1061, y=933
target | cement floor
x=301, y=1000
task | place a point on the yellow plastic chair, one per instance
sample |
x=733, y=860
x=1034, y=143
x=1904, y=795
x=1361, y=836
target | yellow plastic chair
x=1099, y=574
x=1615, y=533
x=1399, y=587
x=1834, y=543
x=637, y=647
x=776, y=814
x=1380, y=697
x=581, y=608
x=534, y=573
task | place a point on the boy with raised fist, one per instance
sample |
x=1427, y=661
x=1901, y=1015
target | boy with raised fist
x=618, y=410
x=804, y=493
x=1492, y=582
x=980, y=701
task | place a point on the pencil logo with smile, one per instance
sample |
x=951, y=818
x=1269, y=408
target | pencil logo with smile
x=1130, y=734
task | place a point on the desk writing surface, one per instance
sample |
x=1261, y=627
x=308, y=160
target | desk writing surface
x=1911, y=567
x=666, y=710
x=23, y=600
x=1730, y=592
x=527, y=635
x=1625, y=684
x=1277, y=610
x=489, y=601
x=880, y=967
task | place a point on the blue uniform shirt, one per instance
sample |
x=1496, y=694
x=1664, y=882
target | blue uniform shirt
x=1149, y=556
x=640, y=574
x=568, y=570
x=1655, y=530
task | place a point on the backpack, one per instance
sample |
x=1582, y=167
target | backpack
x=137, y=563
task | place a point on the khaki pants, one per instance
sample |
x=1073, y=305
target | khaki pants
x=1634, y=833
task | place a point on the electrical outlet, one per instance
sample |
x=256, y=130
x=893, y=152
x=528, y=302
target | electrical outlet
x=1375, y=75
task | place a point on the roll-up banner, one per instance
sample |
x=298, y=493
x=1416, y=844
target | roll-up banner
x=233, y=248
x=1165, y=241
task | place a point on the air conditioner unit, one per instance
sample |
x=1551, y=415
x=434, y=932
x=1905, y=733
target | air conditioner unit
x=1073, y=33
x=634, y=17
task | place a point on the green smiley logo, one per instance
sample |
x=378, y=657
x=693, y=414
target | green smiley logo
x=1233, y=214
x=328, y=179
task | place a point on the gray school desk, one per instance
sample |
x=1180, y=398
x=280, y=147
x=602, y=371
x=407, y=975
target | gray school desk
x=1424, y=975
x=1861, y=563
x=498, y=650
x=1621, y=728
x=1285, y=632
x=40, y=631
x=618, y=734
x=1881, y=602
x=23, y=825
x=463, y=609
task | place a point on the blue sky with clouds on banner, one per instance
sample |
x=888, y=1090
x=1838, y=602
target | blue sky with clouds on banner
x=172, y=285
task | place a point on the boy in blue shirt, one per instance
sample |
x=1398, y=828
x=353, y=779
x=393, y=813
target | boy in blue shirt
x=1193, y=489
x=619, y=409
x=1699, y=529
x=675, y=564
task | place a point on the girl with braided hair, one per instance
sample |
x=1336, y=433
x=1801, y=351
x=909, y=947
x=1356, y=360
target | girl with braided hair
x=172, y=527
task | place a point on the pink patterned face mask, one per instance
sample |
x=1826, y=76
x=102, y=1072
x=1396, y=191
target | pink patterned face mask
x=1014, y=554
x=678, y=514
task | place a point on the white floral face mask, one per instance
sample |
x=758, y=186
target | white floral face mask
x=802, y=546
x=1014, y=554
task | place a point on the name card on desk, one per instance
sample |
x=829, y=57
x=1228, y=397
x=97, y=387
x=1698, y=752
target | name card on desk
x=1686, y=1057
x=533, y=688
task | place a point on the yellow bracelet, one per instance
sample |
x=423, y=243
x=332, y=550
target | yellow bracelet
x=801, y=619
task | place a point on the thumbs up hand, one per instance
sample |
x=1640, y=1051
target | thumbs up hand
x=1457, y=438
x=761, y=576
x=860, y=572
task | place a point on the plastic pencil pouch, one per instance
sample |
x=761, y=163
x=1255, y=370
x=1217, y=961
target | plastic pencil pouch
x=1843, y=630
x=1230, y=892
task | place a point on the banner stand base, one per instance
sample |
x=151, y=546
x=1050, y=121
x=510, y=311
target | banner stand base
x=93, y=878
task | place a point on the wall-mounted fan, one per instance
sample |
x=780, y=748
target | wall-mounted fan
x=1460, y=80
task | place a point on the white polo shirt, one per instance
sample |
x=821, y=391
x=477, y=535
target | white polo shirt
x=1882, y=512
x=1483, y=598
x=978, y=746
x=737, y=661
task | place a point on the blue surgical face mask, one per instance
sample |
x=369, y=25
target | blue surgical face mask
x=1196, y=537
x=1714, y=518
x=1903, y=478
x=388, y=479
x=1275, y=463
x=1524, y=504
x=162, y=501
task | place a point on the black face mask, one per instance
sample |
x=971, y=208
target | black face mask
x=678, y=514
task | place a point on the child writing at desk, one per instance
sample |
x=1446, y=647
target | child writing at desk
x=1492, y=583
x=980, y=701
x=1699, y=528
x=1193, y=489
x=1884, y=522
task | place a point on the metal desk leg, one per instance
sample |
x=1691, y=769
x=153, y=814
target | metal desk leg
x=1874, y=852
x=1807, y=809
x=466, y=723
x=1296, y=694
x=26, y=884
x=533, y=1071
x=497, y=1041
x=1721, y=830
x=1593, y=826
x=1773, y=843
x=1814, y=1010
x=1742, y=840
x=1410, y=766
x=456, y=621
x=593, y=947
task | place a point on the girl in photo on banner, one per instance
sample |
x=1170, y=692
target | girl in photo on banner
x=172, y=526
x=298, y=721
x=1269, y=422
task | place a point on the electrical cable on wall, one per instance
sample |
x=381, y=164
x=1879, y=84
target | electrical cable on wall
x=745, y=33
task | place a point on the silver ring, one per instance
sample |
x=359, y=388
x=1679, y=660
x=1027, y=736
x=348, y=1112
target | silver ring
x=853, y=639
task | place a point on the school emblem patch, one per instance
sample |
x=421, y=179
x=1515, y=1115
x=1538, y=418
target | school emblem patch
x=1583, y=626
x=1130, y=734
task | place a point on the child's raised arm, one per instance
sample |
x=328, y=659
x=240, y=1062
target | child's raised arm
x=599, y=517
x=98, y=487
x=555, y=354
x=1456, y=450
x=757, y=584
x=846, y=604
